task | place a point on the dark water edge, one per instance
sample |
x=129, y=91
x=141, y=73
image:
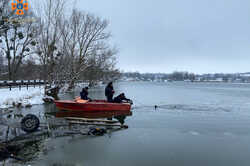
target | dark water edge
x=194, y=124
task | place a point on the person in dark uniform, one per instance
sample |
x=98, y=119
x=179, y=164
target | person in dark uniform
x=120, y=98
x=84, y=94
x=109, y=92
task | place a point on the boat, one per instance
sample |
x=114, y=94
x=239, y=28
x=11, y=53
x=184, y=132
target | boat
x=94, y=106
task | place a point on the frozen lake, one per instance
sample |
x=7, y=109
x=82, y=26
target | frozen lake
x=195, y=124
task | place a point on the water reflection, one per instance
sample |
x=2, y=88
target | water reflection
x=194, y=125
x=31, y=147
x=81, y=114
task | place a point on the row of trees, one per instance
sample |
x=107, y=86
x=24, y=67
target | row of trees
x=180, y=76
x=59, y=46
x=177, y=76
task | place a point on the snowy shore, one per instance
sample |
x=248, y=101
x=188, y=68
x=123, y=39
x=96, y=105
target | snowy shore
x=25, y=97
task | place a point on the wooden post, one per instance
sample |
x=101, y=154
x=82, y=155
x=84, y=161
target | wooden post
x=27, y=86
x=7, y=134
x=20, y=86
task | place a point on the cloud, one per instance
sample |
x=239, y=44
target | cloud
x=173, y=35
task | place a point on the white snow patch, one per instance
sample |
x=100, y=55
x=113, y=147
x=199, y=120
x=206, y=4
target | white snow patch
x=64, y=89
x=32, y=96
x=48, y=97
x=81, y=85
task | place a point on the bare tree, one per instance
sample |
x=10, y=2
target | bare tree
x=1, y=62
x=51, y=15
x=3, y=8
x=17, y=38
x=85, y=36
x=68, y=46
x=102, y=67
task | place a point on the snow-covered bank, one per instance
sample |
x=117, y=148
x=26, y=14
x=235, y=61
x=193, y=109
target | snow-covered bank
x=26, y=97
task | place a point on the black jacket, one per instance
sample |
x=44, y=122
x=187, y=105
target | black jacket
x=109, y=91
x=84, y=94
x=120, y=98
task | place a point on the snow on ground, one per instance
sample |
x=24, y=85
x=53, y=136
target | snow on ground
x=31, y=96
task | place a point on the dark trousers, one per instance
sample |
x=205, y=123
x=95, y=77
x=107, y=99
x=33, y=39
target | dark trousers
x=109, y=98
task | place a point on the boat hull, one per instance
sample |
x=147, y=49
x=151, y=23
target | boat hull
x=100, y=114
x=93, y=106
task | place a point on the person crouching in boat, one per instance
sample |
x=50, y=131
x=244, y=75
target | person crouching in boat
x=121, y=98
x=84, y=94
x=109, y=92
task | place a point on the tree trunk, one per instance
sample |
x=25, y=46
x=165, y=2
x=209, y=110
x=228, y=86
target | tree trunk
x=9, y=70
x=53, y=92
x=71, y=84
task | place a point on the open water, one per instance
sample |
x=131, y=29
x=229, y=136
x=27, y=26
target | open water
x=195, y=124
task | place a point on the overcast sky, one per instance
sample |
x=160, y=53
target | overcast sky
x=201, y=36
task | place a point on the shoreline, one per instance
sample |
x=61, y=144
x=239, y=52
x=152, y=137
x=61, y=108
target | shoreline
x=24, y=97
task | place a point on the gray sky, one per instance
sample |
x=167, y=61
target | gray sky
x=201, y=36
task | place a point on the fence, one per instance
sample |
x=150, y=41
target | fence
x=27, y=83
x=22, y=84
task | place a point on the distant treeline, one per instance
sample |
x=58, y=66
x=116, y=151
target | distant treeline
x=30, y=70
x=176, y=76
x=183, y=75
